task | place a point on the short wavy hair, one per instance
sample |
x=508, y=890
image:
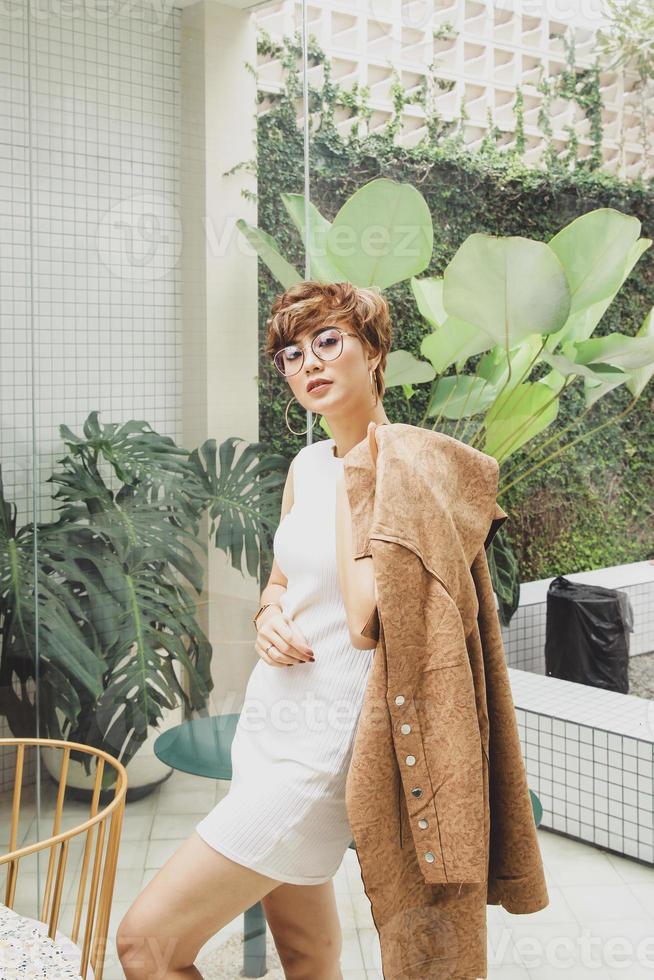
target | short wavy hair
x=311, y=304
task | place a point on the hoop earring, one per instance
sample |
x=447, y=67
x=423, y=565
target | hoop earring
x=373, y=387
x=304, y=431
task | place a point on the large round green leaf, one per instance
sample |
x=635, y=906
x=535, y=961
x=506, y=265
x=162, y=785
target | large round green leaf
x=452, y=341
x=565, y=365
x=404, y=368
x=428, y=293
x=321, y=268
x=594, y=249
x=516, y=418
x=508, y=287
x=641, y=376
x=617, y=349
x=460, y=396
x=581, y=323
x=266, y=248
x=383, y=234
x=598, y=250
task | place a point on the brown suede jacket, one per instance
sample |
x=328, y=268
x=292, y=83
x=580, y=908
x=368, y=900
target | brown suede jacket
x=436, y=792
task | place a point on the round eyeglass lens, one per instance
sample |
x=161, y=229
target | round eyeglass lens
x=326, y=345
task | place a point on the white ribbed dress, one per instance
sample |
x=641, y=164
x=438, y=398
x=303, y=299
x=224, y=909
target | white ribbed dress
x=284, y=814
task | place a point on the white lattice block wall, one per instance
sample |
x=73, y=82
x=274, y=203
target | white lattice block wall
x=486, y=54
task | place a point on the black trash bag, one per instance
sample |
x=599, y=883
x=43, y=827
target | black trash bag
x=587, y=634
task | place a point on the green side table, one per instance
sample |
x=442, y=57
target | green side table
x=202, y=747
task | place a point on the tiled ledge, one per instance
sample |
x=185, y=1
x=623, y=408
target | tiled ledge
x=582, y=704
x=613, y=577
x=589, y=756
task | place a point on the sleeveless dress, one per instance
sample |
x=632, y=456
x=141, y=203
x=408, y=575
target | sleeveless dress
x=284, y=814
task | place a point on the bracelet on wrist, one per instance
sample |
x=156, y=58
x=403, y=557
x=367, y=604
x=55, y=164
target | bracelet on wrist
x=261, y=609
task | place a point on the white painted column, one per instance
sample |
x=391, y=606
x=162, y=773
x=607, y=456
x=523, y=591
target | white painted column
x=220, y=349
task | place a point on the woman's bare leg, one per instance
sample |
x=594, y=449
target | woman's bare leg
x=307, y=932
x=196, y=893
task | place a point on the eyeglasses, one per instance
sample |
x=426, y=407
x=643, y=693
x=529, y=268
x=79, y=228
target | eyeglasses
x=327, y=345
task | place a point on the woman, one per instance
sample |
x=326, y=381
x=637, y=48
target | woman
x=280, y=833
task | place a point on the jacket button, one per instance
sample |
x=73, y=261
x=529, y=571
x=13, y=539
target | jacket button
x=411, y=760
x=423, y=824
x=429, y=857
x=405, y=729
x=416, y=791
x=399, y=699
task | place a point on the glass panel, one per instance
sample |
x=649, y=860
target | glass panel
x=130, y=350
x=20, y=503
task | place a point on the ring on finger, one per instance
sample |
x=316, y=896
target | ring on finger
x=272, y=645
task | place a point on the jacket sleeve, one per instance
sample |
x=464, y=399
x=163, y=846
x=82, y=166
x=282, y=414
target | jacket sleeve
x=515, y=870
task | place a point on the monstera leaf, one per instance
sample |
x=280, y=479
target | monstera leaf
x=40, y=616
x=110, y=610
x=150, y=467
x=149, y=624
x=241, y=497
x=537, y=807
x=505, y=575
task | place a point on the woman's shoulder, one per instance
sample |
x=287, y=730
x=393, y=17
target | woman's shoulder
x=314, y=450
x=311, y=463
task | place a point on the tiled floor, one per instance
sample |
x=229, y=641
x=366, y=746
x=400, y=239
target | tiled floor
x=599, y=924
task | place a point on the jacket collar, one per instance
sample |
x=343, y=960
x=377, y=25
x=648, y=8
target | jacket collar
x=438, y=499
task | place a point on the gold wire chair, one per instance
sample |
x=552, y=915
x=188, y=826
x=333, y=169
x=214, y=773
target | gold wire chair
x=104, y=859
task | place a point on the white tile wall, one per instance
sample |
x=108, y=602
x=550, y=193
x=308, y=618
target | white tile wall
x=90, y=231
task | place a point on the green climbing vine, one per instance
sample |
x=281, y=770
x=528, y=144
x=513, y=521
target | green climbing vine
x=591, y=507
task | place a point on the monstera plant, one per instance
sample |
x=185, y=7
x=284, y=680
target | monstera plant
x=525, y=310
x=104, y=596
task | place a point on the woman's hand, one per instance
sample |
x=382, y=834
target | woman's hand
x=288, y=643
